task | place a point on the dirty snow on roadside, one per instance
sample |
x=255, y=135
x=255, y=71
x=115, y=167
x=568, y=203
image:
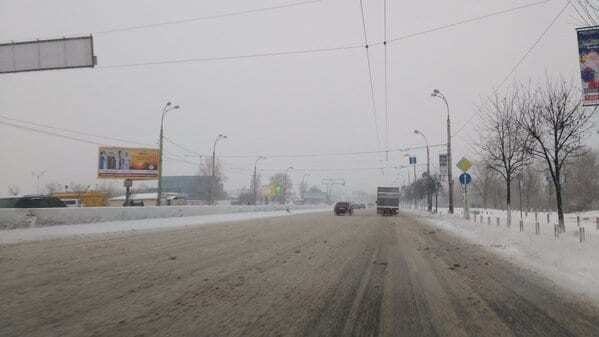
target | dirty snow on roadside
x=564, y=260
x=61, y=231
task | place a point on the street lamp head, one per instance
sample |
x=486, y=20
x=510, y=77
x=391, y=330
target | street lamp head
x=168, y=103
x=176, y=107
x=416, y=132
x=435, y=92
x=221, y=136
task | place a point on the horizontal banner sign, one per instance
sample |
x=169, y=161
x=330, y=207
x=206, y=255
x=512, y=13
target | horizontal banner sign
x=65, y=53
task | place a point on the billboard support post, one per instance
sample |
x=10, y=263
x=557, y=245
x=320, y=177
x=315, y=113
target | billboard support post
x=128, y=184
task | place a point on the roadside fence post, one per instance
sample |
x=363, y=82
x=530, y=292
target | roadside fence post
x=489, y=220
x=498, y=221
x=521, y=225
x=578, y=220
x=548, y=218
x=537, y=228
x=556, y=231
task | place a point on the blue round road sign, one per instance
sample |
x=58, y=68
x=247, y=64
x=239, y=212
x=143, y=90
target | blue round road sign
x=465, y=178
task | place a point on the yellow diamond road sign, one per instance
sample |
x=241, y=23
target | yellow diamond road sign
x=464, y=164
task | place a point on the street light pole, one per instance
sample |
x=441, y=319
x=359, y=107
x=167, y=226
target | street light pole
x=254, y=179
x=37, y=176
x=289, y=169
x=302, y=184
x=213, y=180
x=437, y=93
x=167, y=107
x=429, y=196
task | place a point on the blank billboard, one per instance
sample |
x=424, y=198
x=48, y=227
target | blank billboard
x=65, y=53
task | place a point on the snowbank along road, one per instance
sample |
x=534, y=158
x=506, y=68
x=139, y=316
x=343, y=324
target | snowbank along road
x=303, y=275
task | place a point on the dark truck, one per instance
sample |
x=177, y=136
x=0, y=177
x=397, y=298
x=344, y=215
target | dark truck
x=387, y=200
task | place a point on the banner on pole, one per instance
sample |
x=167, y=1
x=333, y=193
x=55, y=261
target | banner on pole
x=588, y=51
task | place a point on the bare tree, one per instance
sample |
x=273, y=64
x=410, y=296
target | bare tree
x=485, y=185
x=581, y=182
x=215, y=187
x=505, y=142
x=283, y=186
x=54, y=187
x=557, y=122
x=13, y=190
x=206, y=168
x=587, y=11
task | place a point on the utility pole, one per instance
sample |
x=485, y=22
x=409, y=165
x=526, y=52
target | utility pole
x=37, y=176
x=302, y=184
x=329, y=183
x=289, y=169
x=255, y=180
x=167, y=107
x=213, y=180
x=429, y=195
x=437, y=93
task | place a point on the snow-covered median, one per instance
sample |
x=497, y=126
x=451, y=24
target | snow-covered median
x=61, y=231
x=565, y=260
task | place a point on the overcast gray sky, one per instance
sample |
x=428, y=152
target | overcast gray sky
x=291, y=104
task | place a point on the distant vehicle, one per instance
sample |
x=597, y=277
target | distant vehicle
x=72, y=202
x=31, y=201
x=387, y=200
x=86, y=199
x=134, y=203
x=343, y=207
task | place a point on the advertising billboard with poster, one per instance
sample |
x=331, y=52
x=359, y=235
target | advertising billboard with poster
x=588, y=51
x=128, y=163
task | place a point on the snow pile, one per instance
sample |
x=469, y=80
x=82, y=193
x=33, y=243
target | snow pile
x=565, y=260
x=25, y=218
x=61, y=231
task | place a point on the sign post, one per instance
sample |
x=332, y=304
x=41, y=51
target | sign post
x=465, y=179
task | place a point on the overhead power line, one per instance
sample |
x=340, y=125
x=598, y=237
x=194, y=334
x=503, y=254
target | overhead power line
x=203, y=18
x=80, y=139
x=234, y=57
x=533, y=46
x=387, y=71
x=520, y=61
x=466, y=21
x=313, y=155
x=370, y=77
x=76, y=132
x=317, y=50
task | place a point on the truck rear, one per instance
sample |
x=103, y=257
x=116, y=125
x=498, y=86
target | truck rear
x=387, y=200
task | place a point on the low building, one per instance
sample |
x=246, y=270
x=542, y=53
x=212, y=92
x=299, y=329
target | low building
x=149, y=199
x=194, y=187
x=315, y=198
